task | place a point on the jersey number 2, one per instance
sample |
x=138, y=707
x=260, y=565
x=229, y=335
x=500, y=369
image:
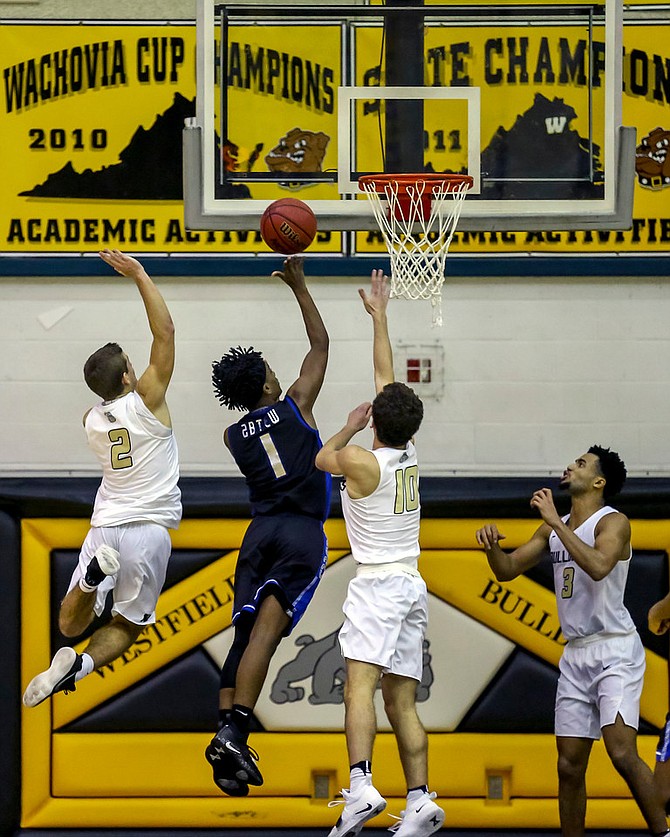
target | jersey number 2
x=120, y=452
x=406, y=489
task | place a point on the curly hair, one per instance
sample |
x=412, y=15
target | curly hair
x=611, y=467
x=397, y=412
x=104, y=370
x=238, y=378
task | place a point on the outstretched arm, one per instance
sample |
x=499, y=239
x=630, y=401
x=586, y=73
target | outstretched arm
x=308, y=385
x=153, y=383
x=375, y=304
x=508, y=565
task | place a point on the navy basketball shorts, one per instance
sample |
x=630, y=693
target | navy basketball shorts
x=283, y=555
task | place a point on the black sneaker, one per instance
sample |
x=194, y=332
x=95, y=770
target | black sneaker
x=224, y=769
x=228, y=746
x=59, y=677
x=105, y=561
x=233, y=787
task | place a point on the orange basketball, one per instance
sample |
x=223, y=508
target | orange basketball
x=288, y=226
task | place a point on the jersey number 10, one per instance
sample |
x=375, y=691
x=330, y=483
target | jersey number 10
x=406, y=489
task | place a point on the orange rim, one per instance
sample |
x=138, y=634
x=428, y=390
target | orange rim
x=449, y=182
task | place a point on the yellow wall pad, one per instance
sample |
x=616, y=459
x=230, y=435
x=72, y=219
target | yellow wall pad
x=295, y=812
x=524, y=612
x=172, y=764
x=162, y=780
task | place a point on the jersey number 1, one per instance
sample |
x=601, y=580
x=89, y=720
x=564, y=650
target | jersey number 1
x=406, y=489
x=273, y=455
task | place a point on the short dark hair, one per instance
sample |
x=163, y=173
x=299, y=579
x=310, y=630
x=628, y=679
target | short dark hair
x=611, y=466
x=238, y=378
x=397, y=412
x=104, y=370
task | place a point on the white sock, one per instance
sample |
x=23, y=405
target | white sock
x=358, y=780
x=86, y=588
x=87, y=666
x=415, y=795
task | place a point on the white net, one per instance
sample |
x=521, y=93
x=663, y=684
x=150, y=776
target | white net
x=417, y=221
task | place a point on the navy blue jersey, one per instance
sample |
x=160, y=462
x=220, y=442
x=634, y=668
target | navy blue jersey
x=275, y=449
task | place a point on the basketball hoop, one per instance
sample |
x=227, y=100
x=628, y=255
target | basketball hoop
x=417, y=215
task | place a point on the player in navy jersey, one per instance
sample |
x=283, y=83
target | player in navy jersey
x=603, y=662
x=283, y=553
x=659, y=623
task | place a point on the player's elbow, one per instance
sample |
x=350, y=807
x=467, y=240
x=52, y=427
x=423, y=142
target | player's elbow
x=320, y=461
x=598, y=573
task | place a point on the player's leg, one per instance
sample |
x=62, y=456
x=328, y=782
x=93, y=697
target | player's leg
x=421, y=816
x=400, y=707
x=619, y=689
x=362, y=801
x=270, y=625
x=111, y=640
x=93, y=577
x=662, y=768
x=621, y=743
x=573, y=758
x=223, y=766
x=91, y=581
x=360, y=721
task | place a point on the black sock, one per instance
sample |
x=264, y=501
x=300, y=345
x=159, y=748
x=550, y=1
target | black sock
x=241, y=716
x=364, y=766
x=224, y=717
x=422, y=788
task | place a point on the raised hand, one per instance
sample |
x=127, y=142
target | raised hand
x=359, y=417
x=293, y=273
x=488, y=536
x=123, y=264
x=376, y=301
x=543, y=501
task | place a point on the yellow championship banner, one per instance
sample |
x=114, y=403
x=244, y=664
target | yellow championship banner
x=92, y=118
x=530, y=76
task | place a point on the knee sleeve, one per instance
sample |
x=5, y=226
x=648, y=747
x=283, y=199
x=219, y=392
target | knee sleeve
x=237, y=649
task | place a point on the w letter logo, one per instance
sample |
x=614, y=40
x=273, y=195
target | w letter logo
x=555, y=124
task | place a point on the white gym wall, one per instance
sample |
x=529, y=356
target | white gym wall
x=535, y=370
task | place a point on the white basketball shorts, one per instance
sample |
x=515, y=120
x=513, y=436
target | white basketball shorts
x=598, y=681
x=386, y=619
x=144, y=550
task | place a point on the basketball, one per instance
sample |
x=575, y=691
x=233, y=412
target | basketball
x=288, y=226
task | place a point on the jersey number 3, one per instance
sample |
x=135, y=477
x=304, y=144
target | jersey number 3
x=406, y=489
x=568, y=581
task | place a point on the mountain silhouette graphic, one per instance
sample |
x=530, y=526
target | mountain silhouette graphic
x=150, y=166
x=540, y=158
x=541, y=145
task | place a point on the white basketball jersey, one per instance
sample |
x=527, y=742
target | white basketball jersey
x=139, y=461
x=384, y=527
x=585, y=606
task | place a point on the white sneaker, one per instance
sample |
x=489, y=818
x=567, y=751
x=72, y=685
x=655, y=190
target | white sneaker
x=59, y=677
x=105, y=561
x=422, y=819
x=357, y=811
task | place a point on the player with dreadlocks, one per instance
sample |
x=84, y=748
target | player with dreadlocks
x=283, y=553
